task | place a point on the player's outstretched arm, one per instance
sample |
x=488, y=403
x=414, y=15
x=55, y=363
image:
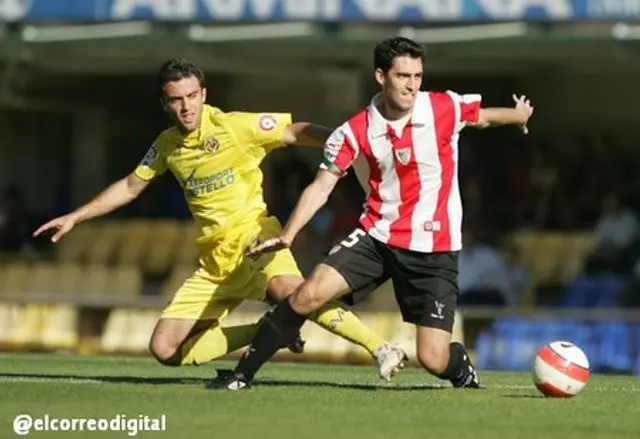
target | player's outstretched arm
x=306, y=134
x=519, y=115
x=312, y=199
x=116, y=195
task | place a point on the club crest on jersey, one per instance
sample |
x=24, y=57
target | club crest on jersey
x=403, y=155
x=211, y=145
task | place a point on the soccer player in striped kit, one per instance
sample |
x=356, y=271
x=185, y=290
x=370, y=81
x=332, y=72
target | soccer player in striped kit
x=404, y=149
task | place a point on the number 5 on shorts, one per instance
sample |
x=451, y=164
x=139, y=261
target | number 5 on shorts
x=353, y=238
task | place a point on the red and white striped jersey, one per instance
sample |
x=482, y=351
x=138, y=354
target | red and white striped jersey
x=413, y=199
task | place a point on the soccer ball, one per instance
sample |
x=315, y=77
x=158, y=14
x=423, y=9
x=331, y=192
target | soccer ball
x=561, y=370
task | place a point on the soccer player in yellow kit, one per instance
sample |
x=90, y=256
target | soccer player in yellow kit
x=216, y=156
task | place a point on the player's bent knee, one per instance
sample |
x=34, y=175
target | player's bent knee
x=165, y=353
x=324, y=285
x=433, y=359
x=308, y=298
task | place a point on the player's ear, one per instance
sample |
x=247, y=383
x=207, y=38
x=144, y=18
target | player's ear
x=204, y=95
x=380, y=76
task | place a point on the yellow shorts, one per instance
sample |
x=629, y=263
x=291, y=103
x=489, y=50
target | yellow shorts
x=208, y=296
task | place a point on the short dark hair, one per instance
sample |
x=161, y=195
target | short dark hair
x=387, y=50
x=176, y=69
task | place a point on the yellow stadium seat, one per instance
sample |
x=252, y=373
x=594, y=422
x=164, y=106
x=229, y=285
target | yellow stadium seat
x=551, y=252
x=141, y=326
x=116, y=331
x=31, y=323
x=104, y=242
x=75, y=245
x=9, y=321
x=70, y=277
x=583, y=243
x=95, y=280
x=60, y=330
x=525, y=241
x=165, y=239
x=126, y=280
x=133, y=242
x=43, y=278
x=187, y=250
x=15, y=278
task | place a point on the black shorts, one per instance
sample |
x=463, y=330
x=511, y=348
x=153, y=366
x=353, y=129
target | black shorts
x=425, y=284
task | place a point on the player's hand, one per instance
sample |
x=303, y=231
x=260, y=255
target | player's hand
x=62, y=225
x=268, y=246
x=523, y=105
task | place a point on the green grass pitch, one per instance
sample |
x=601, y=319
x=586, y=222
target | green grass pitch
x=307, y=401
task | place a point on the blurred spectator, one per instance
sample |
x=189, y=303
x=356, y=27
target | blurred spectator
x=616, y=234
x=617, y=228
x=518, y=273
x=483, y=274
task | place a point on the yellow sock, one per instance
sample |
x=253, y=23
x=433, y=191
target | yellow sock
x=344, y=323
x=216, y=342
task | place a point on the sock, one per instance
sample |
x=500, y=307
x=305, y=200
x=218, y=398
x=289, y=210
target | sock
x=344, y=323
x=456, y=370
x=277, y=330
x=216, y=342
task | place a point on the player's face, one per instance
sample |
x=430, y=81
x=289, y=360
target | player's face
x=183, y=100
x=401, y=84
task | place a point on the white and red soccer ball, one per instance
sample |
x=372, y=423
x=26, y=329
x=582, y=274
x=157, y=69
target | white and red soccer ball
x=561, y=370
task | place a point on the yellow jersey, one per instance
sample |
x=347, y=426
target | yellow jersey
x=218, y=167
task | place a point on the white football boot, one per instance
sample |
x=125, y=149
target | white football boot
x=390, y=358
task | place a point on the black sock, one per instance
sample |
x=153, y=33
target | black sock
x=457, y=370
x=278, y=330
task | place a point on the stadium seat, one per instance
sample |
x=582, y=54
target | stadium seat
x=114, y=338
x=29, y=329
x=165, y=239
x=513, y=343
x=126, y=280
x=141, y=326
x=614, y=349
x=9, y=321
x=593, y=291
x=69, y=278
x=580, y=245
x=104, y=242
x=60, y=328
x=43, y=278
x=635, y=342
x=134, y=239
x=95, y=279
x=75, y=246
x=486, y=351
x=551, y=250
x=187, y=250
x=15, y=278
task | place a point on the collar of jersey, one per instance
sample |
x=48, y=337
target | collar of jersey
x=378, y=124
x=195, y=138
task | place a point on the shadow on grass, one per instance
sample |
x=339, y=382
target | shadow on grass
x=80, y=379
x=522, y=396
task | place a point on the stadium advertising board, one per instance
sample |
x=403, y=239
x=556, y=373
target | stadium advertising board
x=317, y=10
